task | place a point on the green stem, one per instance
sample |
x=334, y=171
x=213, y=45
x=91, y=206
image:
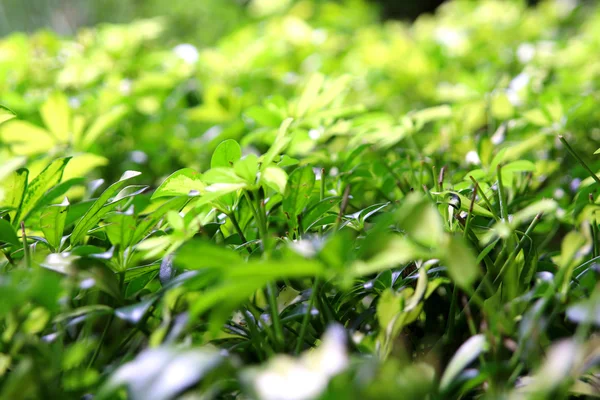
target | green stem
x=485, y=199
x=100, y=342
x=451, y=315
x=578, y=158
x=257, y=220
x=306, y=317
x=258, y=214
x=503, y=213
x=520, y=245
x=26, y=255
x=236, y=225
x=275, y=315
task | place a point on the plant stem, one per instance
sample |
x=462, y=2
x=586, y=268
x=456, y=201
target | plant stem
x=306, y=317
x=451, y=315
x=578, y=158
x=258, y=213
x=26, y=255
x=485, y=199
x=257, y=220
x=237, y=227
x=100, y=342
x=275, y=314
x=520, y=245
x=503, y=213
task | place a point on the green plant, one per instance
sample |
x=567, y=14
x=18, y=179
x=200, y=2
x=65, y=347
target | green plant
x=346, y=232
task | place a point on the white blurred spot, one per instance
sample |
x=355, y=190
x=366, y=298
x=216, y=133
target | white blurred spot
x=187, y=52
x=314, y=134
x=139, y=157
x=498, y=136
x=125, y=86
x=559, y=193
x=472, y=158
x=516, y=86
x=319, y=36
x=525, y=52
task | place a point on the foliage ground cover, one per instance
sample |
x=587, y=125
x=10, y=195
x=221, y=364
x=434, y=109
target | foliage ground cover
x=320, y=205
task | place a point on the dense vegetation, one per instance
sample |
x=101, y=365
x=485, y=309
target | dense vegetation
x=318, y=206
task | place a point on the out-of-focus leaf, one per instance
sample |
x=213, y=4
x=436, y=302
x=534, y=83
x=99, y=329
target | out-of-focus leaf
x=101, y=125
x=310, y=94
x=25, y=138
x=6, y=114
x=461, y=262
x=90, y=218
x=134, y=312
x=420, y=220
x=585, y=312
x=469, y=351
x=162, y=373
x=56, y=115
x=281, y=140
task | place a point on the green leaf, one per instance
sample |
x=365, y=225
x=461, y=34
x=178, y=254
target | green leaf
x=275, y=178
x=298, y=191
x=6, y=114
x=180, y=183
x=93, y=214
x=468, y=352
x=222, y=175
x=247, y=168
x=199, y=254
x=461, y=262
x=8, y=234
x=36, y=189
x=120, y=227
x=58, y=191
x=52, y=222
x=56, y=115
x=226, y=154
x=281, y=141
x=144, y=226
x=318, y=210
x=14, y=188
